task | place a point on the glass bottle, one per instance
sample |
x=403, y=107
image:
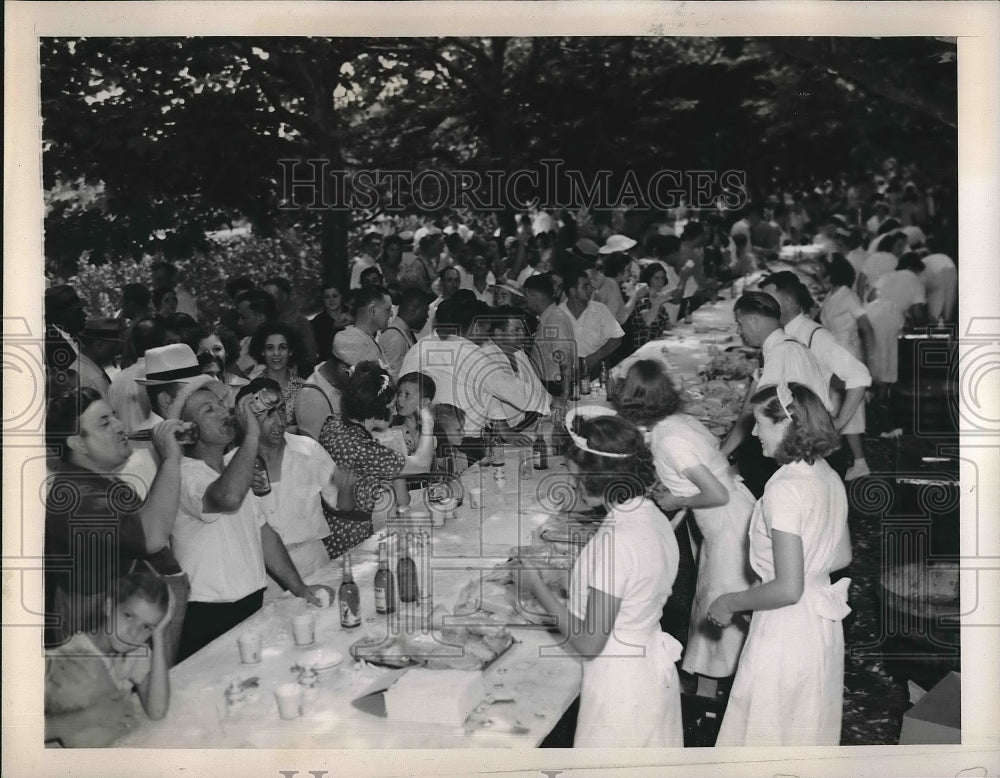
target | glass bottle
x=406, y=569
x=261, y=484
x=385, y=584
x=350, y=597
x=540, y=452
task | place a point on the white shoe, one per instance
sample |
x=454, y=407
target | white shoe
x=856, y=471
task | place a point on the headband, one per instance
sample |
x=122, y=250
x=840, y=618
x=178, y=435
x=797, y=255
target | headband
x=785, y=398
x=589, y=412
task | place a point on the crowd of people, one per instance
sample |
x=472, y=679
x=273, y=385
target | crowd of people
x=200, y=468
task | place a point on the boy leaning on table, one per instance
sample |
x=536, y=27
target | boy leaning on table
x=221, y=537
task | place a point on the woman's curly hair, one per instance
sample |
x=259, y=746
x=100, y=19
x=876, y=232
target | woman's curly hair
x=647, y=395
x=617, y=479
x=296, y=351
x=811, y=435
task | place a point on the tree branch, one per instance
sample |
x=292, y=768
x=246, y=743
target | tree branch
x=857, y=73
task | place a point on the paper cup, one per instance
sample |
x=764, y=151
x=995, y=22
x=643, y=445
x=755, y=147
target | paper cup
x=303, y=628
x=289, y=697
x=438, y=515
x=476, y=497
x=249, y=643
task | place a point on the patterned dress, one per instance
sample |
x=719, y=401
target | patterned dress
x=364, y=468
x=291, y=395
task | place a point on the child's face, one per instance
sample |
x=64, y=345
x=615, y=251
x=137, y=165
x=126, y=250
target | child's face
x=451, y=428
x=407, y=399
x=133, y=622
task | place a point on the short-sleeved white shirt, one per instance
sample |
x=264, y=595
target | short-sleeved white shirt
x=787, y=360
x=595, y=327
x=555, y=333
x=805, y=500
x=681, y=442
x=220, y=552
x=839, y=314
x=293, y=508
x=834, y=358
x=633, y=556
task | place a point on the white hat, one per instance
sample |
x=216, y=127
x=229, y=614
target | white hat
x=617, y=243
x=915, y=236
x=193, y=385
x=170, y=364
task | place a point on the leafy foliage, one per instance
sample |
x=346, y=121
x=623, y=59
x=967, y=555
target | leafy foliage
x=175, y=137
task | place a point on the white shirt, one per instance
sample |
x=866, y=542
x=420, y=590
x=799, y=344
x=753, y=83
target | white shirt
x=510, y=395
x=832, y=357
x=840, y=313
x=878, y=264
x=127, y=399
x=555, y=333
x=293, y=508
x=395, y=340
x=595, y=327
x=439, y=359
x=220, y=552
x=786, y=359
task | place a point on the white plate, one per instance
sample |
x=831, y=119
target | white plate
x=322, y=659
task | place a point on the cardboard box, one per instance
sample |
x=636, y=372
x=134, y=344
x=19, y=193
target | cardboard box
x=937, y=717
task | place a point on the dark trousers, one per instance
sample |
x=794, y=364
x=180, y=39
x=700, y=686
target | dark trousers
x=205, y=621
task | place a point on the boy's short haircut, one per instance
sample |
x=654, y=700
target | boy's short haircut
x=425, y=384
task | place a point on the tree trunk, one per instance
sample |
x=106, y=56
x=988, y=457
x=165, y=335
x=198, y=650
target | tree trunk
x=333, y=247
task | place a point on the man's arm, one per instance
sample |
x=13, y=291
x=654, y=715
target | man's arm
x=603, y=352
x=225, y=494
x=280, y=565
x=159, y=510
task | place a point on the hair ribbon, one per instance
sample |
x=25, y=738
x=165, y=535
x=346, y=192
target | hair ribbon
x=784, y=392
x=590, y=412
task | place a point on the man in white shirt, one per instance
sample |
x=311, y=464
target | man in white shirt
x=401, y=333
x=221, y=537
x=357, y=342
x=508, y=365
x=449, y=281
x=301, y=474
x=462, y=376
x=598, y=334
x=783, y=359
x=554, y=348
x=370, y=245
x=849, y=409
x=128, y=399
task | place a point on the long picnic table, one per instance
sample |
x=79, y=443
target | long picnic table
x=528, y=687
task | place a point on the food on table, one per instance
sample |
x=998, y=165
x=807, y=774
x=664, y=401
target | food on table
x=729, y=365
x=461, y=643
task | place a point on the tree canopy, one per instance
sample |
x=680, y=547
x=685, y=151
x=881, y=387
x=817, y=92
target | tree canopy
x=150, y=143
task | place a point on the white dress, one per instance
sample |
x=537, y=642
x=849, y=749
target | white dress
x=631, y=692
x=897, y=292
x=789, y=687
x=679, y=443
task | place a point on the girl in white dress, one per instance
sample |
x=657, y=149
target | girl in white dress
x=631, y=692
x=789, y=687
x=694, y=474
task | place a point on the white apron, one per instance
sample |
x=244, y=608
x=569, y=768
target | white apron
x=631, y=695
x=789, y=688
